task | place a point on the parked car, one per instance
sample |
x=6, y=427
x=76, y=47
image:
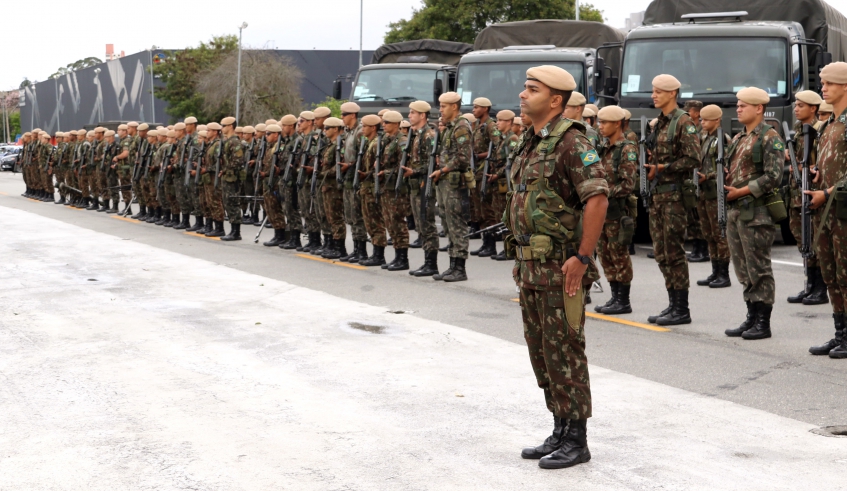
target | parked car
x=8, y=156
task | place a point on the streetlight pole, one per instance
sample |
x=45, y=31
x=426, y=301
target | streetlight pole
x=361, y=28
x=238, y=79
x=576, y=8
x=152, y=85
x=5, y=119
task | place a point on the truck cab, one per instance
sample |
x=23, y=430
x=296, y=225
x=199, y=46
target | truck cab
x=395, y=85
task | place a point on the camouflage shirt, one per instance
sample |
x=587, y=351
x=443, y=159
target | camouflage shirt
x=482, y=135
x=328, y=160
x=762, y=178
x=620, y=175
x=421, y=148
x=456, y=145
x=832, y=153
x=232, y=158
x=508, y=143
x=391, y=154
x=679, y=153
x=709, y=154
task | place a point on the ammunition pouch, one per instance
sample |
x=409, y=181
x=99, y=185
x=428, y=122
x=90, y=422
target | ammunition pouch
x=632, y=206
x=414, y=186
x=469, y=179
x=540, y=248
x=616, y=209
x=502, y=185
x=627, y=230
x=689, y=194
x=841, y=203
x=709, y=190
x=776, y=206
x=747, y=206
x=454, y=179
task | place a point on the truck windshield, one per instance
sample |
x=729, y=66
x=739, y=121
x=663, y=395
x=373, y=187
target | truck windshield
x=708, y=68
x=502, y=82
x=394, y=84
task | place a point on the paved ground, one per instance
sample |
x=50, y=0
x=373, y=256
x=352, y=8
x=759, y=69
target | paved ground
x=194, y=364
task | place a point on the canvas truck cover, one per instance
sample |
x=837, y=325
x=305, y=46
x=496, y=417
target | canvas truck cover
x=820, y=21
x=435, y=51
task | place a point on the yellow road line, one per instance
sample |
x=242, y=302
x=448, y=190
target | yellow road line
x=130, y=220
x=202, y=236
x=616, y=320
x=329, y=261
x=4, y=194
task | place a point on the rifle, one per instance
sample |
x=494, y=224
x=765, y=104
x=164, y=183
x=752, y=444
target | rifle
x=136, y=169
x=301, y=176
x=259, y=159
x=199, y=162
x=809, y=135
x=279, y=148
x=483, y=186
x=720, y=178
x=400, y=172
x=496, y=227
x=376, y=166
x=338, y=176
x=790, y=145
x=218, y=162
x=47, y=163
x=642, y=162
x=147, y=158
x=430, y=168
x=315, y=167
x=509, y=172
x=473, y=158
x=286, y=176
x=165, y=161
x=187, y=165
x=106, y=150
x=356, y=182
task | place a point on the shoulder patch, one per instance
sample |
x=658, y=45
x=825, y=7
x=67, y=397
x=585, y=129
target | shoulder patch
x=632, y=156
x=691, y=129
x=496, y=133
x=513, y=143
x=589, y=157
x=461, y=139
x=777, y=145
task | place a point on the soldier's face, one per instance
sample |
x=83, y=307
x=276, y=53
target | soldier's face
x=331, y=133
x=99, y=136
x=662, y=98
x=573, y=112
x=517, y=129
x=803, y=111
x=710, y=125
x=391, y=128
x=448, y=110
x=504, y=125
x=537, y=100
x=609, y=128
x=747, y=113
x=695, y=115
x=833, y=93
x=479, y=111
x=369, y=131
x=272, y=137
x=349, y=118
x=122, y=133
x=415, y=117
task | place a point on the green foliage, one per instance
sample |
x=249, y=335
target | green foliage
x=14, y=124
x=461, y=20
x=26, y=83
x=181, y=71
x=78, y=65
x=333, y=104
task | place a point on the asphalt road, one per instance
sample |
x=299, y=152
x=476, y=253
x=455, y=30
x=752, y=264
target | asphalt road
x=776, y=375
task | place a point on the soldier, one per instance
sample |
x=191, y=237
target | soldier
x=260, y=150
x=831, y=218
x=302, y=184
x=122, y=165
x=214, y=152
x=700, y=252
x=46, y=166
x=707, y=203
x=231, y=167
x=620, y=161
x=693, y=108
x=485, y=132
x=674, y=158
x=86, y=168
x=273, y=209
x=825, y=111
x=321, y=114
x=415, y=175
x=497, y=177
x=394, y=209
x=517, y=126
x=371, y=211
x=574, y=109
x=289, y=141
x=628, y=134
x=553, y=265
x=405, y=126
x=806, y=106
x=189, y=196
x=331, y=190
x=250, y=146
x=589, y=116
x=352, y=201
x=756, y=158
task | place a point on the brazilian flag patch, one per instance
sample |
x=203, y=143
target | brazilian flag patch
x=512, y=144
x=692, y=129
x=589, y=157
x=632, y=156
x=777, y=145
x=461, y=139
x=496, y=133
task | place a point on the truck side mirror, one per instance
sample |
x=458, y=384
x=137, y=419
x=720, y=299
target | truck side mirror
x=437, y=90
x=336, y=89
x=611, y=85
x=599, y=74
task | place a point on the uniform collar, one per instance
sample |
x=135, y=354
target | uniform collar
x=548, y=128
x=756, y=130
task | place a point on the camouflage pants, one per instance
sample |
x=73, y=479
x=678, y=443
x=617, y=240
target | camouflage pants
x=831, y=249
x=475, y=202
x=750, y=247
x=59, y=172
x=183, y=196
x=668, y=222
x=455, y=213
x=214, y=201
x=103, y=183
x=291, y=208
x=169, y=194
x=198, y=199
x=488, y=211
x=557, y=353
x=125, y=176
x=796, y=226
x=426, y=228
x=333, y=201
x=112, y=181
x=614, y=255
x=48, y=180
x=149, y=185
x=308, y=211
x=440, y=199
x=320, y=211
x=83, y=184
x=353, y=213
x=373, y=217
x=708, y=212
x=693, y=231
x=138, y=189
x=394, y=213
x=273, y=209
x=231, y=204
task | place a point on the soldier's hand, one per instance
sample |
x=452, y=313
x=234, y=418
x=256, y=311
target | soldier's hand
x=193, y=173
x=115, y=159
x=651, y=171
x=702, y=177
x=344, y=166
x=362, y=175
x=492, y=177
x=787, y=155
x=818, y=199
x=817, y=175
x=435, y=175
x=573, y=270
x=407, y=172
x=735, y=193
x=381, y=173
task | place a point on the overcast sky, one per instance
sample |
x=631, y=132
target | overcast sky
x=75, y=33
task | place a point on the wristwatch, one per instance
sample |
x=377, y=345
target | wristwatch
x=583, y=259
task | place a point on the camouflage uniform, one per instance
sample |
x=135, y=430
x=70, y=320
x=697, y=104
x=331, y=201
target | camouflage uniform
x=232, y=165
x=750, y=228
x=499, y=188
x=371, y=211
x=620, y=162
x=288, y=190
x=482, y=212
x=668, y=217
x=213, y=194
x=419, y=162
x=154, y=170
x=394, y=209
x=454, y=200
x=270, y=190
x=45, y=163
x=304, y=193
x=186, y=196
x=794, y=221
x=707, y=203
x=333, y=197
x=352, y=201
x=564, y=162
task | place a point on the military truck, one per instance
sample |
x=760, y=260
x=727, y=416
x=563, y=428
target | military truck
x=496, y=68
x=400, y=73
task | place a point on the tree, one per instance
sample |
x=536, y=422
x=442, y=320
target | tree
x=181, y=71
x=270, y=87
x=14, y=124
x=78, y=65
x=334, y=105
x=461, y=20
x=26, y=83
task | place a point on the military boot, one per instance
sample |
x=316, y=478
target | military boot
x=151, y=215
x=551, y=443
x=458, y=273
x=805, y=291
x=248, y=219
x=377, y=259
x=161, y=216
x=711, y=277
x=722, y=279
x=613, y=285
x=184, y=223
x=500, y=256
x=418, y=243
x=574, y=449
x=173, y=219
x=234, y=233
x=217, y=231
x=818, y=295
x=276, y=240
x=114, y=209
x=449, y=270
x=337, y=250
x=473, y=230
x=679, y=314
x=385, y=266
x=362, y=253
x=141, y=213
x=208, y=226
x=748, y=322
x=295, y=243
x=839, y=351
x=837, y=341
x=621, y=304
x=651, y=255
x=482, y=246
x=95, y=204
x=652, y=319
x=700, y=254
x=489, y=246
x=401, y=260
x=346, y=257
x=762, y=326
x=104, y=207
x=62, y=201
x=430, y=265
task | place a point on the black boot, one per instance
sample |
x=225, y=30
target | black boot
x=346, y=257
x=551, y=443
x=234, y=232
x=401, y=260
x=762, y=327
x=385, y=266
x=114, y=209
x=218, y=231
x=314, y=242
x=141, y=213
x=722, y=279
x=621, y=304
x=825, y=348
x=337, y=251
x=208, y=223
x=430, y=265
x=574, y=449
x=308, y=245
x=161, y=217
x=473, y=229
x=747, y=324
x=446, y=248
x=458, y=273
x=377, y=259
x=652, y=319
x=173, y=219
x=185, y=223
x=631, y=248
x=613, y=285
x=277, y=239
x=481, y=247
x=711, y=277
x=319, y=250
x=294, y=243
x=679, y=314
x=489, y=246
x=248, y=220
x=818, y=295
x=700, y=254
x=651, y=255
x=62, y=201
x=805, y=291
x=362, y=254
x=418, y=243
x=449, y=270
x=104, y=207
x=95, y=203
x=193, y=228
x=840, y=350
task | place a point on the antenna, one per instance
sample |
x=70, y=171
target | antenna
x=675, y=8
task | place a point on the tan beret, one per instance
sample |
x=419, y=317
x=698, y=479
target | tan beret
x=835, y=73
x=239, y=129
x=172, y=134
x=753, y=95
x=179, y=126
x=307, y=115
x=99, y=129
x=405, y=124
x=214, y=126
x=273, y=128
x=80, y=132
x=517, y=120
x=122, y=127
x=90, y=133
x=170, y=127
x=37, y=130
x=190, y=120
x=160, y=128
x=382, y=111
x=248, y=130
x=110, y=133
x=227, y=121
x=200, y=127
x=143, y=127
x=470, y=117
x=59, y=134
x=552, y=76
x=588, y=113
x=593, y=108
x=392, y=117
x=809, y=97
x=132, y=124
x=577, y=99
x=628, y=114
x=322, y=112
x=450, y=98
x=711, y=112
x=371, y=120
x=150, y=133
x=202, y=133
x=288, y=120
x=271, y=121
x=420, y=106
x=666, y=82
x=611, y=113
x=261, y=127
x=334, y=123
x=825, y=107
x=506, y=115
x=482, y=102
x=350, y=108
